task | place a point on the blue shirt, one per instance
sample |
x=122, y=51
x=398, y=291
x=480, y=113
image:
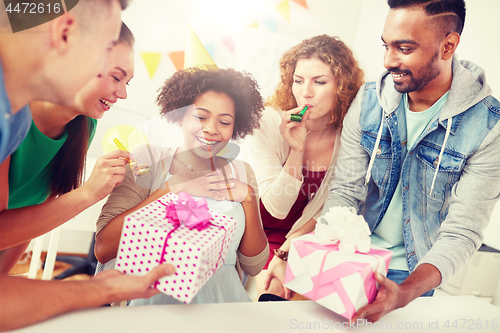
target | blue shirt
x=13, y=127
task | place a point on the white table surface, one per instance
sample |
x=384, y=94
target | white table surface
x=462, y=313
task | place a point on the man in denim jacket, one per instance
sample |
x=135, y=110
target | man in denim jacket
x=420, y=153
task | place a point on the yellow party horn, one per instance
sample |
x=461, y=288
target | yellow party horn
x=138, y=170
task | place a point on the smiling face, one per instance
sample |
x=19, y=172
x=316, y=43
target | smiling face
x=412, y=53
x=208, y=125
x=102, y=92
x=86, y=55
x=314, y=86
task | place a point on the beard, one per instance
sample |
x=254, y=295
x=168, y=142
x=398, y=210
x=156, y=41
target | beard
x=424, y=76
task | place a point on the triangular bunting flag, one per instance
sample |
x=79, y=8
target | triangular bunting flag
x=178, y=59
x=303, y=3
x=284, y=9
x=270, y=23
x=229, y=42
x=210, y=49
x=151, y=59
x=254, y=25
x=196, y=55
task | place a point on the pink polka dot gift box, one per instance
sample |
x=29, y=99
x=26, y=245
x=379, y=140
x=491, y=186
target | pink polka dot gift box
x=181, y=231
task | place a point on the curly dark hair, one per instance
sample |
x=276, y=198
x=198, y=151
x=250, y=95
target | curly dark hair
x=333, y=52
x=182, y=89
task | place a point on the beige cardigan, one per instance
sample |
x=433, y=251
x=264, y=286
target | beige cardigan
x=267, y=152
x=133, y=190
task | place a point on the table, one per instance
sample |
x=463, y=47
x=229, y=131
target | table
x=438, y=314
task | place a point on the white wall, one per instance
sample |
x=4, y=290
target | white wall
x=161, y=26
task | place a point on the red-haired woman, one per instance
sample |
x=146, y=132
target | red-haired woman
x=294, y=161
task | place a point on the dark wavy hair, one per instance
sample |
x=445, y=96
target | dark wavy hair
x=333, y=52
x=182, y=89
x=449, y=14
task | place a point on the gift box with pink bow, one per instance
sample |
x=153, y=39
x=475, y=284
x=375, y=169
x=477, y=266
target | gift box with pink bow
x=181, y=231
x=334, y=265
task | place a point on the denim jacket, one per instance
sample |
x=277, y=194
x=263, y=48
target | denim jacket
x=450, y=176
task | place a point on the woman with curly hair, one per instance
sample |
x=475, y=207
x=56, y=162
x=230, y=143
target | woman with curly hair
x=294, y=160
x=212, y=107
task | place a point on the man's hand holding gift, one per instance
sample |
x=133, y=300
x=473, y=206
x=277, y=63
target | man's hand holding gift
x=335, y=264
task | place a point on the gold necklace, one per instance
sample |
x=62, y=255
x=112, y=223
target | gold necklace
x=316, y=129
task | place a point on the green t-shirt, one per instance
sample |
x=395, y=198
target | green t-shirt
x=389, y=232
x=31, y=165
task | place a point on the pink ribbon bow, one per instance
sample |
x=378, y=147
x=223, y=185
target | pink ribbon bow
x=189, y=212
x=192, y=214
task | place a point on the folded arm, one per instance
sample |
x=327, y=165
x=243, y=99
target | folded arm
x=254, y=240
